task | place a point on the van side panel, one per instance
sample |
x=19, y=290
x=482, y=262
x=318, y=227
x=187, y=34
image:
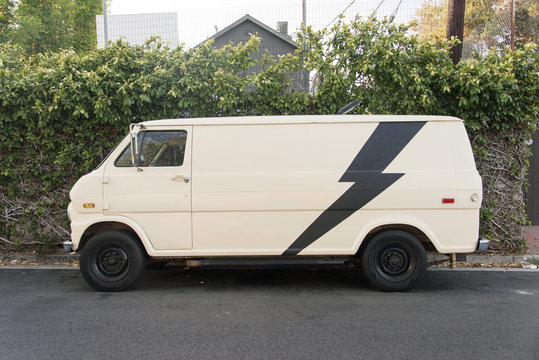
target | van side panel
x=256, y=188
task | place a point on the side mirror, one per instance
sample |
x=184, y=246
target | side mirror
x=134, y=129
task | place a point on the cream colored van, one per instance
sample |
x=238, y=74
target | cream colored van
x=378, y=190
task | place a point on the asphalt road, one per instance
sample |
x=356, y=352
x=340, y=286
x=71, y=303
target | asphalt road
x=269, y=314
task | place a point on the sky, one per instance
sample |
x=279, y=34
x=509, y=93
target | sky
x=199, y=19
x=128, y=6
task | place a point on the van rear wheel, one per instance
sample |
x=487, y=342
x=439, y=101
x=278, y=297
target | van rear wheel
x=394, y=260
x=112, y=261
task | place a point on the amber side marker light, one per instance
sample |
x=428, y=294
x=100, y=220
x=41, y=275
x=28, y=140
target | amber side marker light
x=88, y=205
x=448, y=201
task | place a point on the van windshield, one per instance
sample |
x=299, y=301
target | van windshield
x=110, y=152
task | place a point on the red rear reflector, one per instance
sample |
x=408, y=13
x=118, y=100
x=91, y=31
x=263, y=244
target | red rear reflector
x=448, y=201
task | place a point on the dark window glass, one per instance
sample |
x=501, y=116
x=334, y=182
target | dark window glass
x=156, y=148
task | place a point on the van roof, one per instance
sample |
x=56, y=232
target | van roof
x=297, y=119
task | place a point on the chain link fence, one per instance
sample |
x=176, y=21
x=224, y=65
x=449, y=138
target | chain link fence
x=196, y=25
x=493, y=34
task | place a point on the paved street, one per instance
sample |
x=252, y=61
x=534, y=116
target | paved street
x=269, y=314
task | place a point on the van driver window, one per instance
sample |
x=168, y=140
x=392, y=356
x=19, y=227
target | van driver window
x=156, y=148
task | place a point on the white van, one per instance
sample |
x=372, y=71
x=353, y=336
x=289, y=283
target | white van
x=375, y=189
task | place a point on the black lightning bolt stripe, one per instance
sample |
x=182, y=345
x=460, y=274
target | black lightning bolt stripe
x=365, y=171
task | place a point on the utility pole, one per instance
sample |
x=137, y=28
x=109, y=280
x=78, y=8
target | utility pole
x=304, y=9
x=105, y=27
x=455, y=26
x=305, y=72
x=513, y=24
x=304, y=12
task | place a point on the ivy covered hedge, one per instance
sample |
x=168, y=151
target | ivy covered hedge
x=61, y=113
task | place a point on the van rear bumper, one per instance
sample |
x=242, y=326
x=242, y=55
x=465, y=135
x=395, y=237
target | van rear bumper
x=482, y=244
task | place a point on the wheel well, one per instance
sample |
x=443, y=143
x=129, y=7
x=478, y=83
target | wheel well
x=420, y=235
x=104, y=226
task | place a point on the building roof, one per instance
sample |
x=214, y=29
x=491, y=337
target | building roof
x=248, y=17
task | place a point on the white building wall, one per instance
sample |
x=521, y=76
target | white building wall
x=136, y=29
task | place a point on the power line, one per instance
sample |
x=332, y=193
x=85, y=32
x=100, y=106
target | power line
x=392, y=17
x=378, y=7
x=342, y=12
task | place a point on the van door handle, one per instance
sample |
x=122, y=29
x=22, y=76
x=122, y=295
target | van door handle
x=181, y=178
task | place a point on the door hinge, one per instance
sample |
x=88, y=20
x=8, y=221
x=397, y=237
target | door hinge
x=105, y=179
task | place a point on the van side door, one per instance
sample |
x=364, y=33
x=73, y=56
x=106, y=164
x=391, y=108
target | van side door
x=157, y=192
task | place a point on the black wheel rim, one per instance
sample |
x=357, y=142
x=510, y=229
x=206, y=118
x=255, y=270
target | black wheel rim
x=111, y=261
x=393, y=262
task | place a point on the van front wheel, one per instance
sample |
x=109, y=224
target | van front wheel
x=394, y=260
x=112, y=261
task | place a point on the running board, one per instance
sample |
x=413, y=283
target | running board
x=280, y=261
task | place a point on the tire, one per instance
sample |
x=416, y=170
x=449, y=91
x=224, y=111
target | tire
x=394, y=260
x=112, y=261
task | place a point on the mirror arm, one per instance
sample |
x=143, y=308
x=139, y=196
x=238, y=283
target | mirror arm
x=134, y=144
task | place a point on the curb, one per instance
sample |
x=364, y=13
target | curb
x=484, y=259
x=500, y=259
x=13, y=259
